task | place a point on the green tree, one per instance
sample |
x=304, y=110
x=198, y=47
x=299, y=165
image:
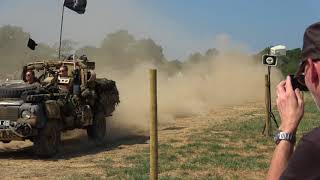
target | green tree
x=289, y=64
x=14, y=51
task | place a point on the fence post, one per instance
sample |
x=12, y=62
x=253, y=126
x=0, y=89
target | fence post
x=267, y=125
x=153, y=126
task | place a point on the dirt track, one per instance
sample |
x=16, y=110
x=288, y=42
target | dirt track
x=80, y=157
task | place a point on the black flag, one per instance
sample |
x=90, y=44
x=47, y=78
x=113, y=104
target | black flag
x=32, y=44
x=78, y=6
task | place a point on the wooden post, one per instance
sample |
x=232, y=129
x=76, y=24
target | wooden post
x=267, y=125
x=153, y=126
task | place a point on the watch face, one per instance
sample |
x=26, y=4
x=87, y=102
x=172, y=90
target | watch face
x=284, y=136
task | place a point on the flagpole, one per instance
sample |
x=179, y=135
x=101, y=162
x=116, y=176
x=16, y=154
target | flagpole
x=61, y=31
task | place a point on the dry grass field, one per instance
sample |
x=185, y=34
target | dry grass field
x=226, y=143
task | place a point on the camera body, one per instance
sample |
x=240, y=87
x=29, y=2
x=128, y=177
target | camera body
x=269, y=60
x=296, y=84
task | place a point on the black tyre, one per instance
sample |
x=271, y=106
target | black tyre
x=97, y=131
x=6, y=141
x=47, y=142
x=15, y=90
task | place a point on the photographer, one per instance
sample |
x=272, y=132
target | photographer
x=303, y=163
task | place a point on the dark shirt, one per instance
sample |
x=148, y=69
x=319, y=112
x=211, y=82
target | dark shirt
x=305, y=161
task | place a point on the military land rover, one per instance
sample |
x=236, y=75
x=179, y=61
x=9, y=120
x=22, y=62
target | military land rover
x=41, y=111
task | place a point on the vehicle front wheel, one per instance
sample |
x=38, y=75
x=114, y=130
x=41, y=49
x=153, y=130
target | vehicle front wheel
x=47, y=142
x=97, y=131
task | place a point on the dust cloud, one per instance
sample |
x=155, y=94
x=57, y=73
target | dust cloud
x=222, y=76
x=232, y=77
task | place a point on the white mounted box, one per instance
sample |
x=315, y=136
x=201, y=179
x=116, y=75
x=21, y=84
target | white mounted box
x=279, y=50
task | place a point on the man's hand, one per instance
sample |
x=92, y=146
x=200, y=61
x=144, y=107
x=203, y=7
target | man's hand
x=290, y=106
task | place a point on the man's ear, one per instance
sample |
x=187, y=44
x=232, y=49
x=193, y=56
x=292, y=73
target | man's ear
x=313, y=70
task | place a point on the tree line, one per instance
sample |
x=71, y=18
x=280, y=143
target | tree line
x=118, y=51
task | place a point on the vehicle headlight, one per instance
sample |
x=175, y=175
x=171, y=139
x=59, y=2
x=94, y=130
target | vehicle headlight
x=26, y=114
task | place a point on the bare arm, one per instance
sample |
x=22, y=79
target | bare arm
x=280, y=159
x=291, y=107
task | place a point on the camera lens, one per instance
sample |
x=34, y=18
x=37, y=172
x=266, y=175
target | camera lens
x=269, y=60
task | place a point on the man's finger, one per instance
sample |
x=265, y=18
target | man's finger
x=288, y=85
x=299, y=96
x=282, y=83
x=281, y=88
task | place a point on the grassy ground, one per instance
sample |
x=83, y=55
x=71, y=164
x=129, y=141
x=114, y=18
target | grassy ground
x=234, y=149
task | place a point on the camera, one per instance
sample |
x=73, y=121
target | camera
x=296, y=84
x=269, y=60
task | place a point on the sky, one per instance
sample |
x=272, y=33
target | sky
x=181, y=27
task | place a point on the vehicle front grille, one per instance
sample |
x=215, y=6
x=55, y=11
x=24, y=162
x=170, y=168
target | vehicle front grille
x=9, y=113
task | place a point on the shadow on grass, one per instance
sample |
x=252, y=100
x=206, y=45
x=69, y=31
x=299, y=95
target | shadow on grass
x=74, y=147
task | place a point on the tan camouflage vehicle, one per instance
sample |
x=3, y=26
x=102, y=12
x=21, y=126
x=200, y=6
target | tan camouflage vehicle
x=41, y=111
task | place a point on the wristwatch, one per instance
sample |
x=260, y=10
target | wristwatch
x=280, y=135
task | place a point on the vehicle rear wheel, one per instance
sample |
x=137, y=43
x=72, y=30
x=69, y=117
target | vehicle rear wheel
x=97, y=131
x=47, y=142
x=6, y=141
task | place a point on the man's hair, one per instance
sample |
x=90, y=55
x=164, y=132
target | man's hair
x=64, y=67
x=32, y=72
